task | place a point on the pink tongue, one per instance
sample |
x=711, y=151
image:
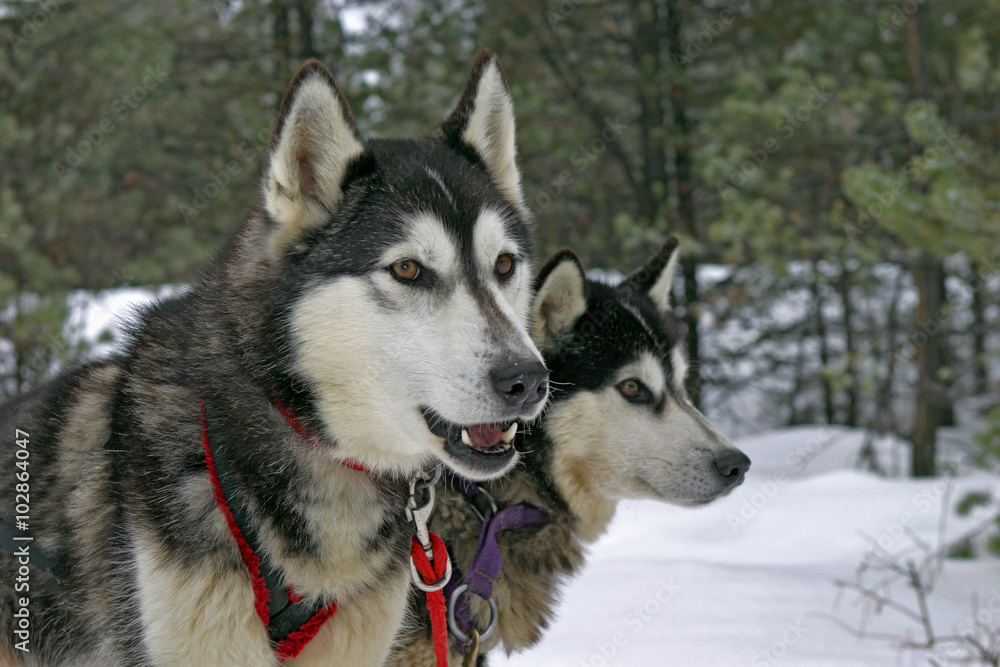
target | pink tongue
x=484, y=435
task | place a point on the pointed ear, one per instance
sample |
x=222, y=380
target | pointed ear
x=560, y=297
x=657, y=277
x=483, y=120
x=313, y=142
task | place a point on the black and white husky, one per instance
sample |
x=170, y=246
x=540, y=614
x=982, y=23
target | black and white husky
x=215, y=492
x=619, y=426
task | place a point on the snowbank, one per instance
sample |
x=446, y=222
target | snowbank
x=745, y=581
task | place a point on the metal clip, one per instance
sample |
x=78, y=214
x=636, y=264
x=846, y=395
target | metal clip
x=472, y=650
x=420, y=515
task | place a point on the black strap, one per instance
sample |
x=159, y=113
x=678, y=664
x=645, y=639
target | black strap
x=20, y=545
x=285, y=616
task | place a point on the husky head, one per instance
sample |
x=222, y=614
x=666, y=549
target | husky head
x=406, y=276
x=620, y=424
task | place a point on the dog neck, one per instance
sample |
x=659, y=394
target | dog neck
x=551, y=482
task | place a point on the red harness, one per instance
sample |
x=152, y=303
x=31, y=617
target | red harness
x=288, y=642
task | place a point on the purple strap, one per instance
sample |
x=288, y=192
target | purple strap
x=487, y=561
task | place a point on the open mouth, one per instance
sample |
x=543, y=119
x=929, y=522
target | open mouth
x=484, y=447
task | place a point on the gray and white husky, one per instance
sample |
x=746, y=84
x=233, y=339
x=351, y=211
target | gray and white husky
x=245, y=457
x=619, y=426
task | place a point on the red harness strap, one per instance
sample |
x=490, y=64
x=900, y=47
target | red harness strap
x=292, y=645
x=435, y=599
x=295, y=641
x=260, y=593
x=301, y=430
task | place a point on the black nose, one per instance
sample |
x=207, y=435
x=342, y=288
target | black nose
x=521, y=383
x=732, y=466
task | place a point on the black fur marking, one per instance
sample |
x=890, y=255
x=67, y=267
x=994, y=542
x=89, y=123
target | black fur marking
x=644, y=278
x=608, y=336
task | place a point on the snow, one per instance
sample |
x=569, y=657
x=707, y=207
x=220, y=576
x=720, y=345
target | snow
x=100, y=318
x=749, y=579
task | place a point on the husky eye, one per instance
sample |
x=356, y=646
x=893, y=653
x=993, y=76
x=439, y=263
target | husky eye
x=635, y=392
x=504, y=265
x=406, y=269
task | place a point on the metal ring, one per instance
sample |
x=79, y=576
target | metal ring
x=453, y=625
x=426, y=483
x=493, y=503
x=418, y=580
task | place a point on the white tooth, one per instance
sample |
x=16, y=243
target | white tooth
x=508, y=435
x=465, y=438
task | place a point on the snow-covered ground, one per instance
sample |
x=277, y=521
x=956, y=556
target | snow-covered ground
x=747, y=580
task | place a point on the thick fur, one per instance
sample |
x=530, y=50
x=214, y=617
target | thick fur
x=302, y=306
x=592, y=448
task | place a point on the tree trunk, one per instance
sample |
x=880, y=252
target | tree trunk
x=305, y=8
x=648, y=58
x=885, y=418
x=844, y=289
x=824, y=350
x=685, y=200
x=282, y=36
x=794, y=417
x=927, y=275
x=980, y=374
x=944, y=385
x=689, y=271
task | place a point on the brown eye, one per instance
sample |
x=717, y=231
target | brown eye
x=629, y=388
x=406, y=269
x=504, y=265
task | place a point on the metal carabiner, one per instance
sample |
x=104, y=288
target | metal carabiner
x=420, y=516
